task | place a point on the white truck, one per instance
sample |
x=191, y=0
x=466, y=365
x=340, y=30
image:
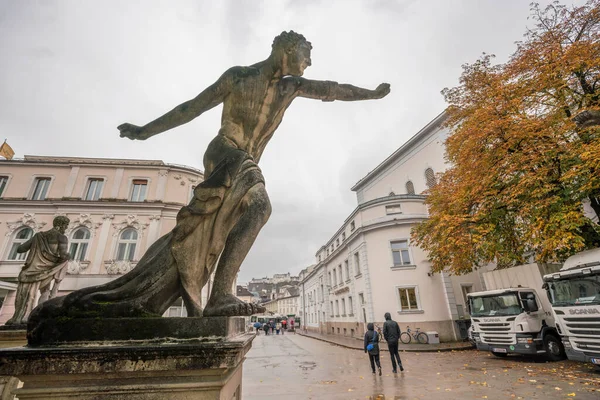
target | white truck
x=575, y=295
x=514, y=315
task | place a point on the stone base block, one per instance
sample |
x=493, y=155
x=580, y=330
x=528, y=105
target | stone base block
x=123, y=330
x=12, y=338
x=201, y=370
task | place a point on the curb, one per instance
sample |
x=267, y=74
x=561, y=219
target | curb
x=381, y=348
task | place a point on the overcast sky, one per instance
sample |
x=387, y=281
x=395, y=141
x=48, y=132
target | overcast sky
x=72, y=71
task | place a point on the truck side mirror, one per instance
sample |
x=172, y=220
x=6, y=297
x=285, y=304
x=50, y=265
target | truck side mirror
x=530, y=305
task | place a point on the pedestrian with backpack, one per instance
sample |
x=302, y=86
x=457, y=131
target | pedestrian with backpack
x=371, y=346
x=391, y=334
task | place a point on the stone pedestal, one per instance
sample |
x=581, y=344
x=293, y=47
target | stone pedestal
x=208, y=366
x=12, y=337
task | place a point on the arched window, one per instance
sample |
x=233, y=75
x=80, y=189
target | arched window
x=21, y=236
x=126, y=245
x=79, y=244
x=410, y=188
x=430, y=178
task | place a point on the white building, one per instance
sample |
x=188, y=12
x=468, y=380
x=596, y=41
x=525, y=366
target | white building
x=369, y=266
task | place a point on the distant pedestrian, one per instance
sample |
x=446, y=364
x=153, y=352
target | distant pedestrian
x=391, y=333
x=371, y=346
x=278, y=327
x=283, y=326
x=257, y=326
x=292, y=326
x=266, y=328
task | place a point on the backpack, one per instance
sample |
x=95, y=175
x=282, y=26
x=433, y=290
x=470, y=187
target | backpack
x=371, y=345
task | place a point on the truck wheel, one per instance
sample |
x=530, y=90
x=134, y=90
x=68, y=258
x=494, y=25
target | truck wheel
x=554, y=348
x=502, y=355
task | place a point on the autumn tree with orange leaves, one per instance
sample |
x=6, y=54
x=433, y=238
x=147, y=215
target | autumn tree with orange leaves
x=524, y=152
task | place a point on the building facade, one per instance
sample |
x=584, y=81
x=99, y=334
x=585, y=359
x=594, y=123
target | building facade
x=370, y=267
x=117, y=208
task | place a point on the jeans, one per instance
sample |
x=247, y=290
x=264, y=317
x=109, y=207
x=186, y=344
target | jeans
x=374, y=360
x=393, y=348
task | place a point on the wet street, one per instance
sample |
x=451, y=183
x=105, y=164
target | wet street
x=298, y=367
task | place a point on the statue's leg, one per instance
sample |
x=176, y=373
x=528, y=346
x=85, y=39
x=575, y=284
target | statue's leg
x=222, y=301
x=44, y=293
x=23, y=303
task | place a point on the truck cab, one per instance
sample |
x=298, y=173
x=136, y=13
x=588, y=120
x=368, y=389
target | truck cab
x=574, y=292
x=514, y=320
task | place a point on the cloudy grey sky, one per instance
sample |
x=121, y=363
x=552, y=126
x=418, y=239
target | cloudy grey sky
x=72, y=71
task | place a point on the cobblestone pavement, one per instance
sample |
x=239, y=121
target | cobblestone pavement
x=299, y=367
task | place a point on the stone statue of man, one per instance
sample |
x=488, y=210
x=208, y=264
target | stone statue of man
x=229, y=208
x=46, y=263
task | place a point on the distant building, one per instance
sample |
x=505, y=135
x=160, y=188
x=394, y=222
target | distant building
x=117, y=208
x=243, y=294
x=370, y=267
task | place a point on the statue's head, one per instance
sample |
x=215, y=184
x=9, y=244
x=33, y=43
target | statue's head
x=293, y=50
x=61, y=223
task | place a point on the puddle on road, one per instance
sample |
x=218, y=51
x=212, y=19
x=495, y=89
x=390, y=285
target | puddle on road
x=307, y=365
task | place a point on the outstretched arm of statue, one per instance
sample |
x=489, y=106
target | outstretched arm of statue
x=330, y=91
x=25, y=246
x=183, y=113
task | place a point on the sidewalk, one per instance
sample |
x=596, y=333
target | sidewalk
x=357, y=344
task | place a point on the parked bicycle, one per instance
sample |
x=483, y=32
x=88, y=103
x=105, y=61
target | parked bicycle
x=417, y=335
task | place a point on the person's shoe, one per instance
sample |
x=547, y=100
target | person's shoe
x=401, y=368
x=379, y=371
x=373, y=372
x=394, y=371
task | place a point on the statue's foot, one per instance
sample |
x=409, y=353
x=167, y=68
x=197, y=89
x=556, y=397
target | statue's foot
x=230, y=306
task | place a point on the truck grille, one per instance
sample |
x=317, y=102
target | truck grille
x=584, y=333
x=496, y=333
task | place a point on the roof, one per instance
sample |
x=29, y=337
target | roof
x=242, y=291
x=402, y=150
x=293, y=291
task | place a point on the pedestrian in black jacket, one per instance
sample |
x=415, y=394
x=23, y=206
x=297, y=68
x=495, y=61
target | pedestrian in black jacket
x=372, y=338
x=391, y=333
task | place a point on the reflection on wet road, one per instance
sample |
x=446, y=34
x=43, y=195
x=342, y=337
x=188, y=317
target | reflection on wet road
x=297, y=367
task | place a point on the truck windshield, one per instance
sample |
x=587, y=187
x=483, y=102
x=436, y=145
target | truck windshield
x=501, y=304
x=579, y=290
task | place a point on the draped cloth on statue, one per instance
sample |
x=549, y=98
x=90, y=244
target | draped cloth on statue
x=180, y=262
x=42, y=264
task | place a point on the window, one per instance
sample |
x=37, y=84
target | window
x=410, y=188
x=3, y=182
x=361, y=299
x=79, y=244
x=350, y=306
x=347, y=268
x=352, y=226
x=393, y=209
x=341, y=276
x=126, y=245
x=138, y=190
x=466, y=289
x=40, y=189
x=357, y=263
x=94, y=189
x=330, y=281
x=430, y=178
x=331, y=310
x=334, y=277
x=22, y=235
x=337, y=308
x=400, y=252
x=408, y=299
x=344, y=307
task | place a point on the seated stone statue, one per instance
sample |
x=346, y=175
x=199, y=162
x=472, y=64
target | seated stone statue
x=228, y=209
x=46, y=263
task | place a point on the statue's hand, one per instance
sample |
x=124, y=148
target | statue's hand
x=132, y=132
x=382, y=90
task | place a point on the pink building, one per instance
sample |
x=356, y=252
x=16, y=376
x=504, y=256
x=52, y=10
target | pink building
x=117, y=208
